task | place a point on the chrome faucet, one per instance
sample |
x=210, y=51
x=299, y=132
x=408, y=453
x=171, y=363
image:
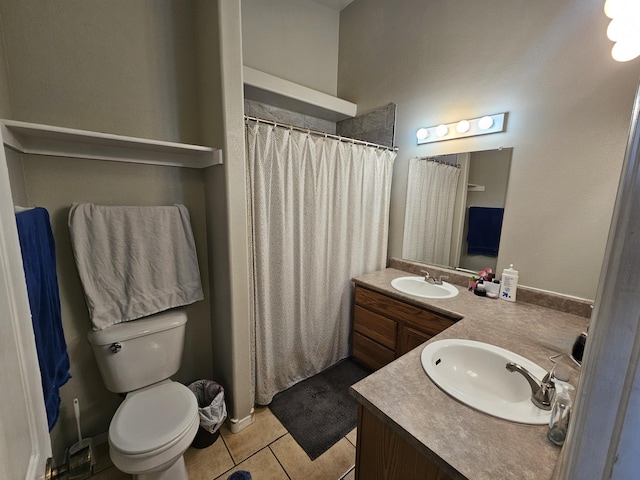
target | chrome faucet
x=429, y=279
x=541, y=391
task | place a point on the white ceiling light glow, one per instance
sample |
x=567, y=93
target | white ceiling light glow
x=462, y=128
x=624, y=28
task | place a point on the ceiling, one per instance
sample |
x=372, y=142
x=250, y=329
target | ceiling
x=336, y=5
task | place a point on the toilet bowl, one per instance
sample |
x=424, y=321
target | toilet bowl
x=151, y=430
x=158, y=419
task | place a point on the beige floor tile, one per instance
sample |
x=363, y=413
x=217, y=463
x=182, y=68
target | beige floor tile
x=208, y=463
x=262, y=466
x=352, y=436
x=331, y=465
x=350, y=476
x=265, y=429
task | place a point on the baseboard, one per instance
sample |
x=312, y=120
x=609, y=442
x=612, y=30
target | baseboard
x=237, y=425
x=100, y=438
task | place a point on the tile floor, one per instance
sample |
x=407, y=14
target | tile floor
x=265, y=449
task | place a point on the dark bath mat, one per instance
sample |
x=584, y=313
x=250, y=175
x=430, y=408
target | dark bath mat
x=319, y=411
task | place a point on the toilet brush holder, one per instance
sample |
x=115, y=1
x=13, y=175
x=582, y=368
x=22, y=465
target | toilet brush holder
x=80, y=457
x=78, y=466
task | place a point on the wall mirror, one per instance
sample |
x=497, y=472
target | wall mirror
x=454, y=209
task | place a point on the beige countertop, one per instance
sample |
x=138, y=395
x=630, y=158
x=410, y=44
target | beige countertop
x=468, y=443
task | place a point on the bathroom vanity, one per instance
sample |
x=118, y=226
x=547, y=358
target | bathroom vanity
x=407, y=426
x=385, y=328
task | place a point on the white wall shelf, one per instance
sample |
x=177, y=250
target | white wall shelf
x=266, y=88
x=37, y=139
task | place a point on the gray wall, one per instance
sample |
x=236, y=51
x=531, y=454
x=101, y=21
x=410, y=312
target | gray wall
x=548, y=64
x=292, y=39
x=5, y=101
x=226, y=202
x=119, y=66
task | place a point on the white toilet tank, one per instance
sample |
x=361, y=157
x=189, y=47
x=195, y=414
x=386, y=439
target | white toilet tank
x=135, y=354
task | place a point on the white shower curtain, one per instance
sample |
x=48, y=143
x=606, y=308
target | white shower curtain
x=319, y=216
x=431, y=196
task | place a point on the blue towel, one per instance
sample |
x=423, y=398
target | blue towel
x=39, y=261
x=483, y=234
x=240, y=475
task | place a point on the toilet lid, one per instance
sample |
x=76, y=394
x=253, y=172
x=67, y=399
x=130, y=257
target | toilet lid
x=151, y=418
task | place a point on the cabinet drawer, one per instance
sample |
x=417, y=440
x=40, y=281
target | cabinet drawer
x=423, y=320
x=378, y=328
x=371, y=353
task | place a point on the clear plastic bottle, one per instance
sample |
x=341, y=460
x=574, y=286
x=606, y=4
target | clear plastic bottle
x=561, y=410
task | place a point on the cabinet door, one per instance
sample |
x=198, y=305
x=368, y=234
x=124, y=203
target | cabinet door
x=410, y=338
x=382, y=454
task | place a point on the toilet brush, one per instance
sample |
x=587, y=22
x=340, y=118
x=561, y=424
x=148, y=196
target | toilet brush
x=81, y=459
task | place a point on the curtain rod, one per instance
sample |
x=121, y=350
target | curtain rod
x=319, y=133
x=442, y=162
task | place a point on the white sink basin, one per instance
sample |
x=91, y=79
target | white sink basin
x=419, y=287
x=475, y=374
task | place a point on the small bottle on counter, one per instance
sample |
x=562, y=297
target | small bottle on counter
x=509, y=284
x=561, y=410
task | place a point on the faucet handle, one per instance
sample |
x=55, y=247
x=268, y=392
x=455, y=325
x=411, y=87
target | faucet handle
x=426, y=274
x=441, y=277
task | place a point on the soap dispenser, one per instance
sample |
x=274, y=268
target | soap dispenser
x=561, y=410
x=509, y=284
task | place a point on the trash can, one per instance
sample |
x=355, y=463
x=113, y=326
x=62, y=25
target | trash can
x=212, y=410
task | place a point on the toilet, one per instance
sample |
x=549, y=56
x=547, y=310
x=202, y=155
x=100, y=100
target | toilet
x=158, y=419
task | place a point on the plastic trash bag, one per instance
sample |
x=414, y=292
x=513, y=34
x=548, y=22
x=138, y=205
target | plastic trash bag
x=211, y=406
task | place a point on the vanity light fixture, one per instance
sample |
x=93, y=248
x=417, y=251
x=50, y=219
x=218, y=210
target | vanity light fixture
x=463, y=128
x=623, y=29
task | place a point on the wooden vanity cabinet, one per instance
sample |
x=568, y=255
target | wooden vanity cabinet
x=382, y=454
x=385, y=328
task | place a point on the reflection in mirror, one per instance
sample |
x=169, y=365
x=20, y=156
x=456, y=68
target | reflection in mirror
x=455, y=204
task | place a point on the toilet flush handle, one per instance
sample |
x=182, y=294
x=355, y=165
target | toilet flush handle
x=115, y=347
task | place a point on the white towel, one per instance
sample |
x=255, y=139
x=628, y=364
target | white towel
x=134, y=261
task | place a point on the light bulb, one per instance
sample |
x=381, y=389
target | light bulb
x=463, y=126
x=442, y=130
x=610, y=7
x=625, y=51
x=485, y=123
x=422, y=133
x=626, y=28
x=621, y=8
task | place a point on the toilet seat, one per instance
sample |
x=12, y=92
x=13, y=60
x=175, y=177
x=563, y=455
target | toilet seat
x=153, y=419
